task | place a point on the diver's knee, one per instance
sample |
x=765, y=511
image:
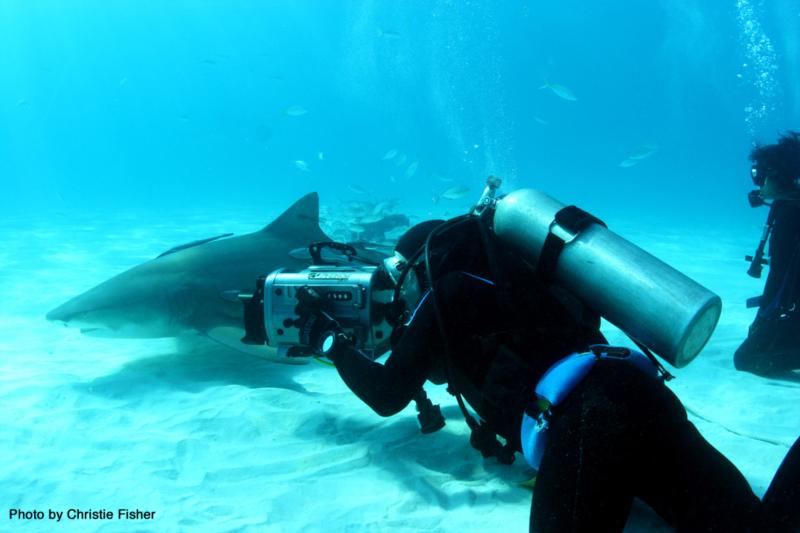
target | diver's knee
x=746, y=359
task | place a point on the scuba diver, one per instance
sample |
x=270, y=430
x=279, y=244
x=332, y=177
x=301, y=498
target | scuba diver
x=527, y=355
x=773, y=342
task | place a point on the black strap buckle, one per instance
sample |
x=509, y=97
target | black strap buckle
x=573, y=220
x=620, y=352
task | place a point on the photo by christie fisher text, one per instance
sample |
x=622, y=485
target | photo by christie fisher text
x=81, y=514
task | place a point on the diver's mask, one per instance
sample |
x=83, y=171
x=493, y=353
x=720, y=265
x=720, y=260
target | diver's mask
x=772, y=185
x=757, y=177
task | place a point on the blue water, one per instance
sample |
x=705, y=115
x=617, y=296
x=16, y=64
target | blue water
x=151, y=104
x=129, y=127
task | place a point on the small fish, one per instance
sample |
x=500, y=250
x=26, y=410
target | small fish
x=295, y=111
x=639, y=155
x=370, y=219
x=444, y=179
x=359, y=207
x=380, y=208
x=390, y=154
x=209, y=61
x=560, y=91
x=412, y=169
x=22, y=102
x=455, y=192
x=123, y=81
x=388, y=34
x=540, y=120
x=396, y=233
x=356, y=228
x=644, y=151
x=357, y=189
x=401, y=160
x=302, y=165
x=320, y=156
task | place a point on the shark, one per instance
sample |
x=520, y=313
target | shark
x=194, y=287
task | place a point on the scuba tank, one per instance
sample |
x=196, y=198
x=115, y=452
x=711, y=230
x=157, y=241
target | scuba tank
x=649, y=300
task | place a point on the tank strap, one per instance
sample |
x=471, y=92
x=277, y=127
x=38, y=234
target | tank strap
x=571, y=220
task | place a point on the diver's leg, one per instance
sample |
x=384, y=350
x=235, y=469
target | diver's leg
x=679, y=474
x=691, y=484
x=773, y=346
x=781, y=507
x=622, y=435
x=584, y=482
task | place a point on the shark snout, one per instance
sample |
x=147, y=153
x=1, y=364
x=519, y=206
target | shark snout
x=83, y=310
x=88, y=321
x=100, y=316
x=65, y=314
x=59, y=314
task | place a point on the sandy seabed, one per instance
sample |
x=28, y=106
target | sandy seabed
x=209, y=439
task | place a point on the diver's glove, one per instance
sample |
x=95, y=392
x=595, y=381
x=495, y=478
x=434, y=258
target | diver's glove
x=318, y=330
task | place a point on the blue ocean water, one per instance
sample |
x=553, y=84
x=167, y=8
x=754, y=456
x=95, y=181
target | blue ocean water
x=145, y=104
x=128, y=127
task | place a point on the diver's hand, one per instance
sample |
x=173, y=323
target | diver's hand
x=314, y=327
x=318, y=330
x=308, y=301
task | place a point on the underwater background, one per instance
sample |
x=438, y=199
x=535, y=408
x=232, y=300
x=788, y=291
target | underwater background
x=158, y=105
x=130, y=127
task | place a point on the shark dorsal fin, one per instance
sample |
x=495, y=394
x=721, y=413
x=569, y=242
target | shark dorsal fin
x=301, y=218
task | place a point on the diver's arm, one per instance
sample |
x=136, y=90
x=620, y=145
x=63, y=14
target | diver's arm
x=388, y=388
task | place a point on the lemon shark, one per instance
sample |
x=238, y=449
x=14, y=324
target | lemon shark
x=194, y=287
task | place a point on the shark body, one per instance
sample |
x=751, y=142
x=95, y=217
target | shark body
x=193, y=288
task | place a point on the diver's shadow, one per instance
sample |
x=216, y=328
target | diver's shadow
x=424, y=463
x=193, y=366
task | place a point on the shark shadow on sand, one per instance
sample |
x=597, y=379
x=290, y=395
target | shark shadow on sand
x=195, y=365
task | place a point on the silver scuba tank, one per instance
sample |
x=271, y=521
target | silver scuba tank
x=660, y=307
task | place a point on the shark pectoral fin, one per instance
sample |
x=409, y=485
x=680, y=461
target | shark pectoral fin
x=231, y=337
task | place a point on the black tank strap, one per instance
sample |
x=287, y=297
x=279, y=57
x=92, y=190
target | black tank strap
x=574, y=220
x=646, y=351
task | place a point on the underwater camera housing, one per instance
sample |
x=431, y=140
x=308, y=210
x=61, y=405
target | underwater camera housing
x=357, y=296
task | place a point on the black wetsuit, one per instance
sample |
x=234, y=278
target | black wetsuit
x=619, y=435
x=773, y=341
